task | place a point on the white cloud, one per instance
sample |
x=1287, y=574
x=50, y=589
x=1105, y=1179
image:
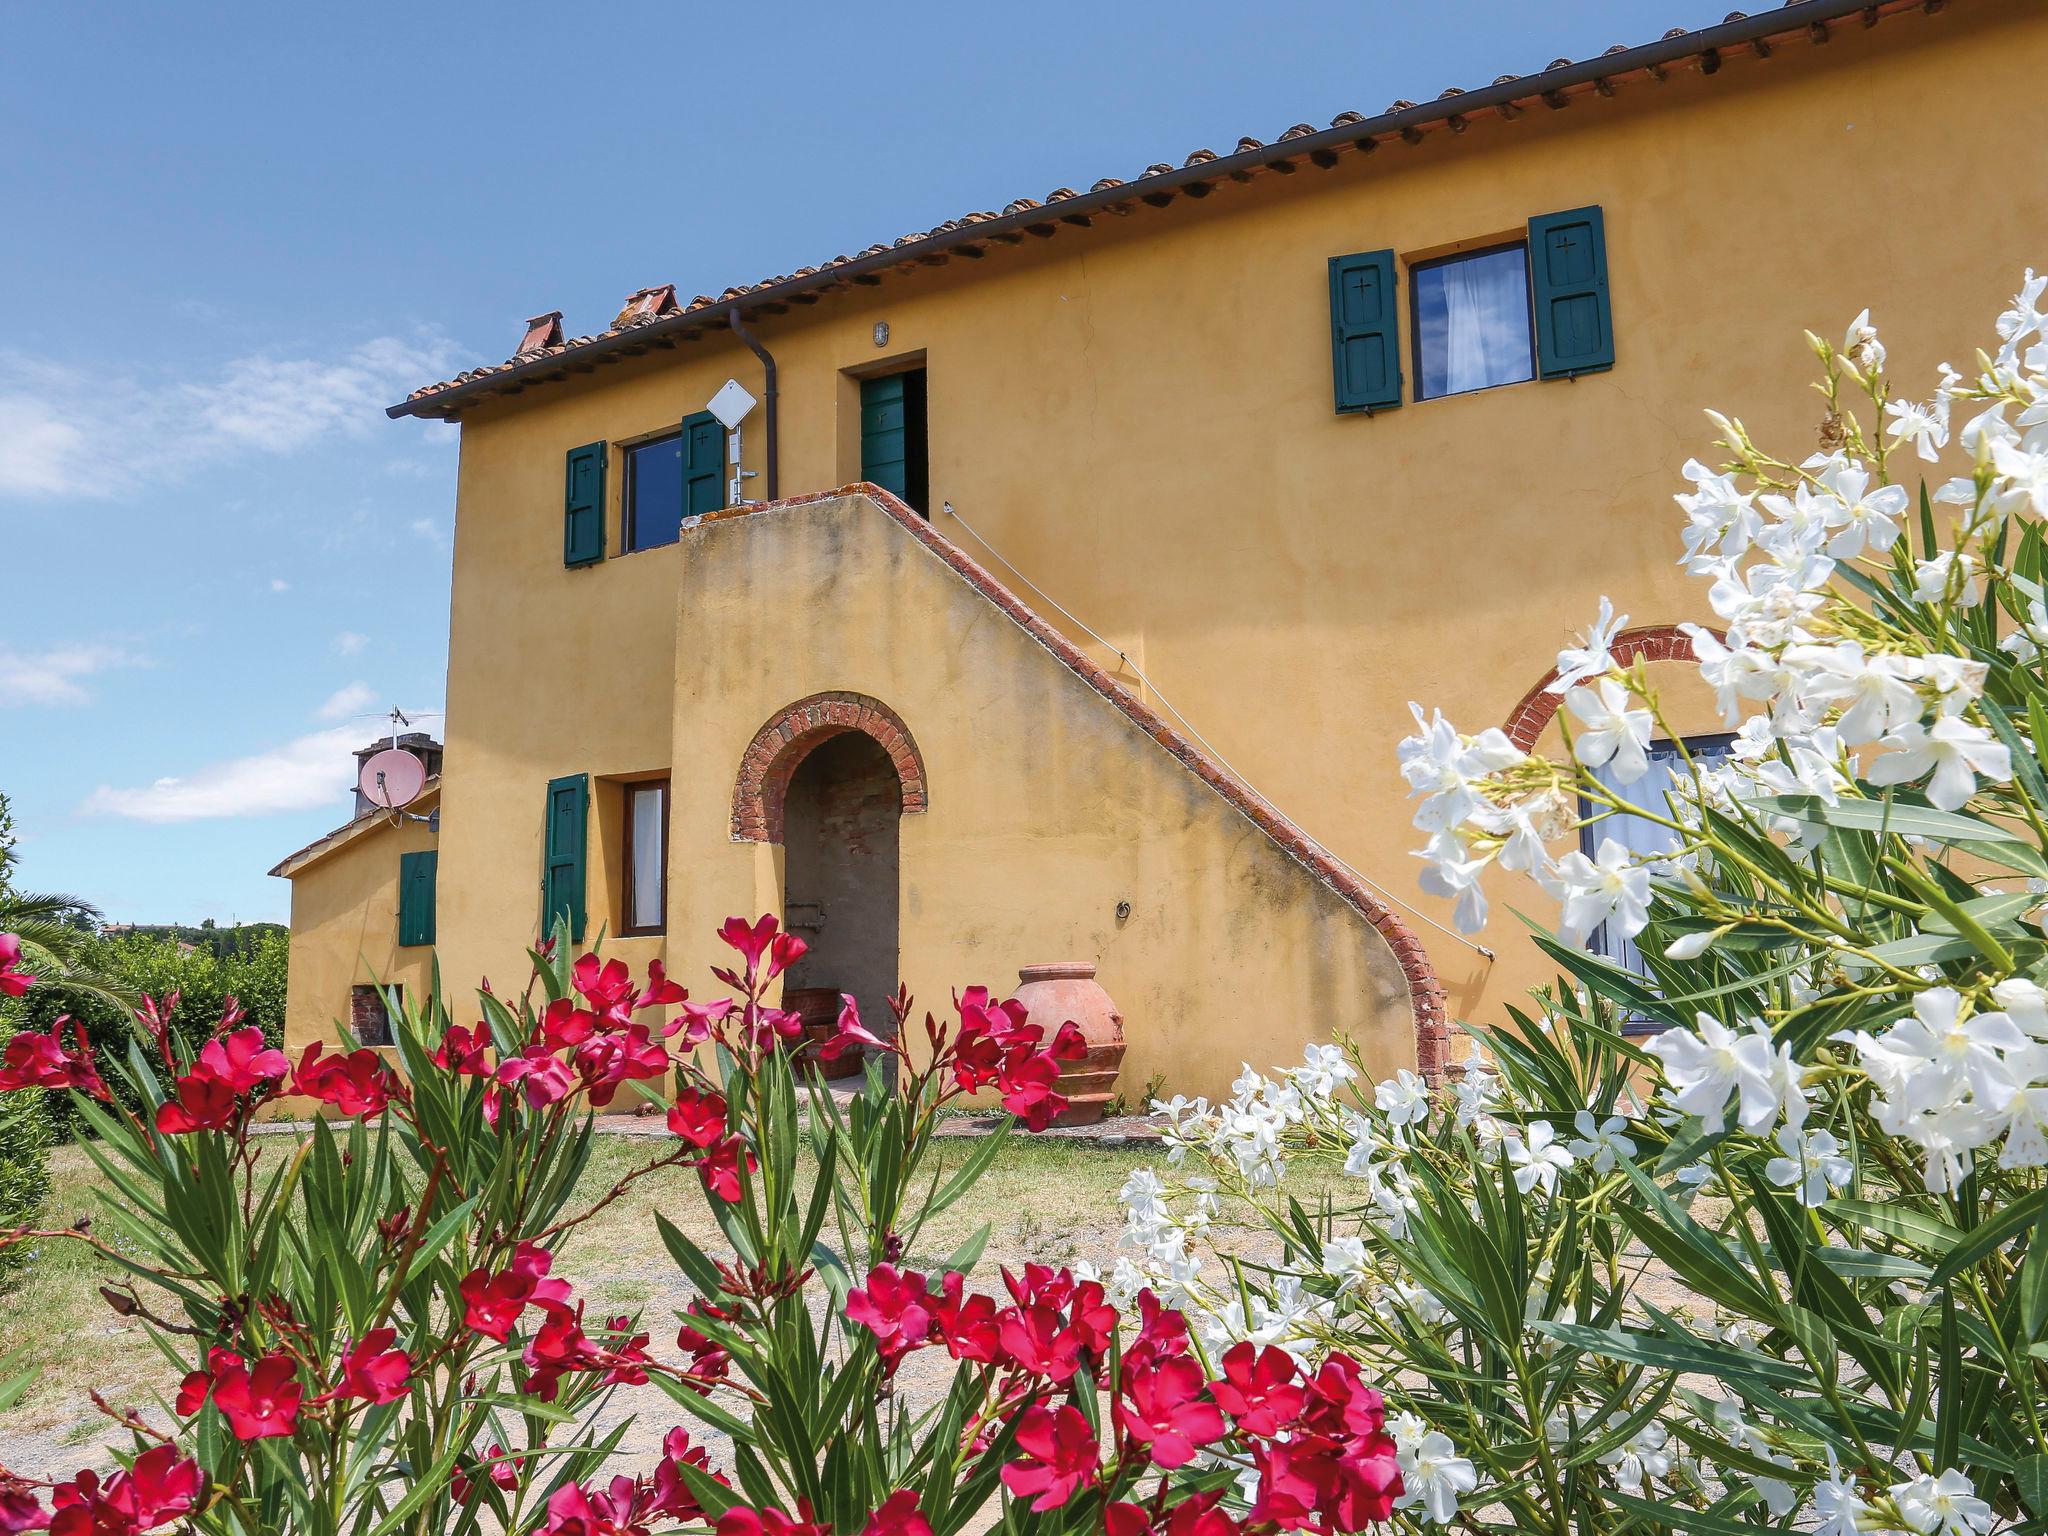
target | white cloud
x=67, y=431
x=279, y=584
x=301, y=775
x=350, y=643
x=430, y=530
x=355, y=699
x=54, y=676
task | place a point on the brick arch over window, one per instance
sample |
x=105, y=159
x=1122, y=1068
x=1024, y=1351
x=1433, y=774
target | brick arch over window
x=1656, y=642
x=789, y=737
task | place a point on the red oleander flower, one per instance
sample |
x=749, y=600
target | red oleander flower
x=463, y=1050
x=1059, y=1456
x=259, y=1405
x=702, y=1020
x=966, y=1323
x=1033, y=1341
x=741, y=1521
x=607, y=1060
x=672, y=1496
x=784, y=951
x=539, y=1075
x=372, y=1370
x=1165, y=1411
x=491, y=1303
x=356, y=1082
x=241, y=1059
x=558, y=1347
x=625, y=1354
x=895, y=1306
x=750, y=940
x=157, y=1488
x=13, y=979
x=1260, y=1389
x=720, y=1167
x=1195, y=1514
x=898, y=1516
x=1340, y=1403
x=852, y=1033
x=40, y=1061
x=698, y=1117
x=1162, y=1333
x=202, y=1103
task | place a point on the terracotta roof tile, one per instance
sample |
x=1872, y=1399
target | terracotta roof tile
x=649, y=306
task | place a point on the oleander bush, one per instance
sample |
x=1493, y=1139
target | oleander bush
x=374, y=1336
x=1757, y=1237
x=193, y=986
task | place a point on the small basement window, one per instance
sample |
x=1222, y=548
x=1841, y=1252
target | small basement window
x=1472, y=326
x=369, y=1017
x=646, y=858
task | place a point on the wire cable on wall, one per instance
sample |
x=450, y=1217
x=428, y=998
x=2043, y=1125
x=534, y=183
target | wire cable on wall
x=1188, y=726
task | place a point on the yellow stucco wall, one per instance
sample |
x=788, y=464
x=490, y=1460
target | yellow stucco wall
x=345, y=932
x=1048, y=806
x=1138, y=416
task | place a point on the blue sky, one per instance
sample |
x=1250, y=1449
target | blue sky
x=235, y=233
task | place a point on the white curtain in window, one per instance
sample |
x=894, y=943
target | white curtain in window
x=647, y=860
x=1486, y=337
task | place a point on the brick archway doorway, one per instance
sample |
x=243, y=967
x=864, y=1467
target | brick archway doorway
x=830, y=778
x=842, y=872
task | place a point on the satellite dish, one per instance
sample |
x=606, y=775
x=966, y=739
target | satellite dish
x=392, y=779
x=731, y=404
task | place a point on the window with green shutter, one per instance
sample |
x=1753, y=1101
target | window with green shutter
x=680, y=474
x=583, y=506
x=894, y=453
x=416, y=877
x=1568, y=278
x=1365, y=332
x=566, y=842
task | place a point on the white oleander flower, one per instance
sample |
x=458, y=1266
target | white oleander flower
x=1811, y=1164
x=1607, y=887
x=1933, y=578
x=1614, y=735
x=1861, y=346
x=1433, y=1475
x=1705, y=1066
x=1476, y=1090
x=1947, y=1504
x=1869, y=520
x=1876, y=693
x=1640, y=1459
x=1721, y=521
x=1954, y=752
x=1403, y=1098
x=1593, y=656
x=1838, y=1504
x=1538, y=1159
x=1323, y=1069
x=1601, y=1141
x=1344, y=1259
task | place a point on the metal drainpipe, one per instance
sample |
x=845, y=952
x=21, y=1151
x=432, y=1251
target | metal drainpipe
x=732, y=317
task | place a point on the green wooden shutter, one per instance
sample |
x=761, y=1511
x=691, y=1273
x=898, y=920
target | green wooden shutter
x=1568, y=276
x=885, y=434
x=703, y=464
x=568, y=831
x=417, y=873
x=583, y=506
x=1365, y=331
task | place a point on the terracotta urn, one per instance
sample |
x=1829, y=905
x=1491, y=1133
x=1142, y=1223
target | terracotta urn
x=1068, y=990
x=818, y=1007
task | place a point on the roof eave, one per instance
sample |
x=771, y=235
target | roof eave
x=1792, y=18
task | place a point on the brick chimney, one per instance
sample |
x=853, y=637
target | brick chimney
x=542, y=331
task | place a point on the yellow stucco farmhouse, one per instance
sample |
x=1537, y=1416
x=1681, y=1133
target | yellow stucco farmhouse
x=1079, y=559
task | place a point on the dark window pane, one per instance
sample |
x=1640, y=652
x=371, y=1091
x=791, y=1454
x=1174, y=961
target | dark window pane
x=654, y=493
x=1472, y=322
